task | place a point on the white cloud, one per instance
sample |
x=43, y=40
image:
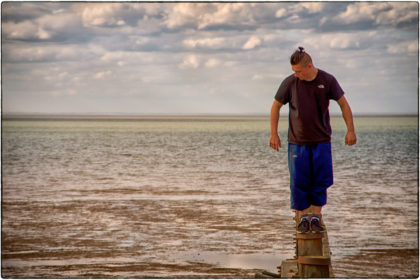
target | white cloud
x=398, y=12
x=384, y=13
x=344, y=42
x=294, y=19
x=190, y=62
x=212, y=62
x=361, y=11
x=313, y=7
x=21, y=30
x=59, y=21
x=42, y=34
x=230, y=63
x=53, y=52
x=206, y=15
x=184, y=14
x=115, y=14
x=103, y=74
x=252, y=43
x=71, y=92
x=122, y=58
x=281, y=13
x=408, y=48
x=227, y=14
x=266, y=76
x=100, y=15
x=211, y=43
x=44, y=27
x=337, y=40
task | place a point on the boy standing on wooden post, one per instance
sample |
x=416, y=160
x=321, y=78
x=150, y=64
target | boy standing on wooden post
x=308, y=92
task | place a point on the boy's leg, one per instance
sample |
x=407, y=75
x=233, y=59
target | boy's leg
x=316, y=210
x=322, y=175
x=300, y=177
x=299, y=157
x=322, y=178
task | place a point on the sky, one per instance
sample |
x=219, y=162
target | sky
x=202, y=58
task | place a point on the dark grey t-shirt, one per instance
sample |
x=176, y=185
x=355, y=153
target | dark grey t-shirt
x=309, y=118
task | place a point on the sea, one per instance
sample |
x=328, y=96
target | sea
x=197, y=197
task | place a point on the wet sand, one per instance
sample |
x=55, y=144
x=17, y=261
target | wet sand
x=119, y=239
x=103, y=239
x=386, y=263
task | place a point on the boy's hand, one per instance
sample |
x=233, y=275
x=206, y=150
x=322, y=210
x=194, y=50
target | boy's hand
x=351, y=138
x=275, y=142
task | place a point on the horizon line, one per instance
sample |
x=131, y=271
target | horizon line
x=8, y=116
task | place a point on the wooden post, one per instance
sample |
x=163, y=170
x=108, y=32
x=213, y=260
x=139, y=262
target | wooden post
x=312, y=256
x=312, y=262
x=314, y=267
x=289, y=269
x=309, y=244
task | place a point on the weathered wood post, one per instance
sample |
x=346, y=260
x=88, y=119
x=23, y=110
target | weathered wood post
x=312, y=261
x=312, y=258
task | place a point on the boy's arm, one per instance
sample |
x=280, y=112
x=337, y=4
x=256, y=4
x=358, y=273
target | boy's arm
x=351, y=138
x=275, y=142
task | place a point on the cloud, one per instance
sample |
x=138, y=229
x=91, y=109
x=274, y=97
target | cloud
x=313, y=7
x=185, y=14
x=53, y=26
x=19, y=53
x=103, y=74
x=398, y=14
x=211, y=43
x=23, y=31
x=228, y=15
x=214, y=16
x=101, y=15
x=136, y=50
x=18, y=12
x=281, y=13
x=363, y=15
x=252, y=43
x=213, y=62
x=344, y=42
x=361, y=12
x=404, y=48
x=117, y=14
x=190, y=62
x=348, y=41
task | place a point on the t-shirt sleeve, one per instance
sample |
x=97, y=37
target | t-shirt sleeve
x=336, y=92
x=283, y=94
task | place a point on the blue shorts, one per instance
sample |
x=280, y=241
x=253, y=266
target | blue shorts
x=311, y=173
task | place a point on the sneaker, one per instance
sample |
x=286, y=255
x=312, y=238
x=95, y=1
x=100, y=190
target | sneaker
x=316, y=225
x=303, y=226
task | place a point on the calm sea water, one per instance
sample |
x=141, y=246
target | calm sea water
x=197, y=197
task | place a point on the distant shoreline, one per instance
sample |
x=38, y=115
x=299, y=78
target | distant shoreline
x=127, y=117
x=35, y=116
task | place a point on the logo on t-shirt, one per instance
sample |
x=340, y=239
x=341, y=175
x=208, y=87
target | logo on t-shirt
x=321, y=86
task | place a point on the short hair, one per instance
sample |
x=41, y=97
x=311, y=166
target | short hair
x=300, y=57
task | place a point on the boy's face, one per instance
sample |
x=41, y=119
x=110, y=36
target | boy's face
x=302, y=72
